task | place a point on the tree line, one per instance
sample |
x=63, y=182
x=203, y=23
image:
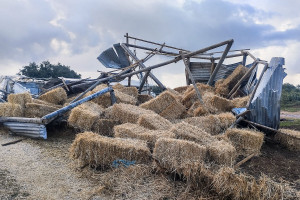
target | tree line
x=48, y=70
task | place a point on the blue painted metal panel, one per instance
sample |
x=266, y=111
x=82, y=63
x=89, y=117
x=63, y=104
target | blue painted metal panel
x=265, y=105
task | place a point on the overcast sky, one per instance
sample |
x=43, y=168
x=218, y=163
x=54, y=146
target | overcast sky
x=75, y=32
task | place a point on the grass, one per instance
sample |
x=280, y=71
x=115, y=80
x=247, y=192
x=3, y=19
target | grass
x=291, y=124
x=291, y=107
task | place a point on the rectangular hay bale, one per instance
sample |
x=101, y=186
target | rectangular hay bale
x=127, y=113
x=159, y=103
x=222, y=152
x=245, y=141
x=21, y=98
x=212, y=124
x=55, y=96
x=135, y=131
x=34, y=110
x=173, y=111
x=154, y=122
x=104, y=127
x=289, y=138
x=189, y=132
x=179, y=156
x=11, y=110
x=91, y=148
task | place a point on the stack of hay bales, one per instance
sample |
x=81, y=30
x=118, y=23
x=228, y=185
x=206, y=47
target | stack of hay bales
x=154, y=122
x=223, y=87
x=127, y=113
x=289, y=138
x=189, y=132
x=222, y=152
x=97, y=150
x=56, y=96
x=11, y=110
x=129, y=130
x=16, y=105
x=245, y=141
x=180, y=156
x=85, y=115
x=181, y=89
x=212, y=124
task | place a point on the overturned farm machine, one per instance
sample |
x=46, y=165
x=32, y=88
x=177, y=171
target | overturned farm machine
x=204, y=66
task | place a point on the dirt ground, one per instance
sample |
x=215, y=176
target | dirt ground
x=42, y=169
x=290, y=115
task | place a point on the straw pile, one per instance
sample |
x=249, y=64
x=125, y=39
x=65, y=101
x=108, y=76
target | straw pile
x=289, y=138
x=173, y=111
x=154, y=122
x=224, y=87
x=221, y=104
x=222, y=153
x=91, y=148
x=212, y=124
x=11, y=110
x=127, y=113
x=85, y=115
x=160, y=103
x=104, y=127
x=186, y=131
x=20, y=99
x=33, y=110
x=142, y=98
x=117, y=86
x=55, y=96
x=245, y=141
x=180, y=156
x=135, y=131
x=240, y=102
x=230, y=185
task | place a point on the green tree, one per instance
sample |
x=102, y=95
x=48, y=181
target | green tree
x=48, y=70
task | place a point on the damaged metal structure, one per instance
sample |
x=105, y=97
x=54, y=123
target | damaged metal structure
x=203, y=66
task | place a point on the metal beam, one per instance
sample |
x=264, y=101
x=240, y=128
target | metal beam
x=127, y=50
x=212, y=77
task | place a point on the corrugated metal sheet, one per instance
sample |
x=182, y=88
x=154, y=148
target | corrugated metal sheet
x=201, y=71
x=265, y=105
x=27, y=129
x=114, y=58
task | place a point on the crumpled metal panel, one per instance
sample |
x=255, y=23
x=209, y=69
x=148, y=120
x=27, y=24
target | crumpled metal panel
x=114, y=58
x=265, y=105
